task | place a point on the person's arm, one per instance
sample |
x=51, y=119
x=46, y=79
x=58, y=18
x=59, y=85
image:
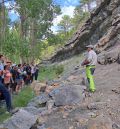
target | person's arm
x=87, y=60
x=1, y=70
x=19, y=71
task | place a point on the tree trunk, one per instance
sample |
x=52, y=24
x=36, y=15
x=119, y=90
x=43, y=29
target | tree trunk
x=33, y=39
x=89, y=5
x=3, y=25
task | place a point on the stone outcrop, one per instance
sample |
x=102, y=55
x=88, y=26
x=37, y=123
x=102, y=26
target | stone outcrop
x=102, y=29
x=109, y=56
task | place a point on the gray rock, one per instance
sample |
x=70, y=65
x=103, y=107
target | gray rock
x=39, y=100
x=101, y=58
x=95, y=31
x=50, y=104
x=109, y=56
x=41, y=127
x=100, y=122
x=67, y=95
x=21, y=120
x=34, y=110
x=115, y=126
x=1, y=126
x=97, y=105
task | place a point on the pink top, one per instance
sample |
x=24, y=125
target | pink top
x=7, y=76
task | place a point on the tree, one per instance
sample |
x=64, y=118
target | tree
x=65, y=25
x=25, y=37
x=79, y=17
x=39, y=14
x=86, y=4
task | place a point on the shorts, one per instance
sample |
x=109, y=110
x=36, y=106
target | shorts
x=19, y=81
x=13, y=85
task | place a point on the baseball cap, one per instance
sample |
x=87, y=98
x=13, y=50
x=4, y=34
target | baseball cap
x=90, y=46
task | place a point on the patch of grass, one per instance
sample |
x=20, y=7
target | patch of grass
x=22, y=99
x=59, y=70
x=50, y=72
x=3, y=117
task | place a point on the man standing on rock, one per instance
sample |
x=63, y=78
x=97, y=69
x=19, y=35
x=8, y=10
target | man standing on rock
x=90, y=63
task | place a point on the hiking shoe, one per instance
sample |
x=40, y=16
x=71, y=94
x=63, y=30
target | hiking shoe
x=92, y=91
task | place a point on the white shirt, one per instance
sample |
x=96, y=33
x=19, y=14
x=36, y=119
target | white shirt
x=32, y=69
x=92, y=57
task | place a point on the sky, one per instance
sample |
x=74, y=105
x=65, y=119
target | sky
x=12, y=14
x=67, y=8
x=67, y=2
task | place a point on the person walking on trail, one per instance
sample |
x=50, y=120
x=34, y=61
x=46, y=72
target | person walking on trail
x=90, y=63
x=32, y=72
x=36, y=72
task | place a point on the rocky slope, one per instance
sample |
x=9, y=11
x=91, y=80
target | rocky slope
x=102, y=29
x=65, y=104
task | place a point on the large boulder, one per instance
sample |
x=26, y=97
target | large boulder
x=33, y=110
x=67, y=95
x=39, y=101
x=21, y=120
x=109, y=56
x=38, y=87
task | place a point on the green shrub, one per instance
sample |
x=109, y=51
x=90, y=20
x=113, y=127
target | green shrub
x=59, y=69
x=50, y=72
x=20, y=100
x=24, y=97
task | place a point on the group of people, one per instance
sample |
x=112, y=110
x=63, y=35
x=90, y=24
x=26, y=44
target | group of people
x=14, y=77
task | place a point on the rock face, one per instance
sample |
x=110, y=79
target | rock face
x=109, y=56
x=102, y=29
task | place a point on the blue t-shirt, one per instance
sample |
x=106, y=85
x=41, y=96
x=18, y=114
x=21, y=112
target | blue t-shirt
x=1, y=66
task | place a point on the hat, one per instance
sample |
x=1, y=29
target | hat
x=13, y=65
x=90, y=46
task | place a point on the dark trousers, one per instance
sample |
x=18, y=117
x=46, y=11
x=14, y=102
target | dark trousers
x=6, y=96
x=32, y=77
x=36, y=76
x=0, y=79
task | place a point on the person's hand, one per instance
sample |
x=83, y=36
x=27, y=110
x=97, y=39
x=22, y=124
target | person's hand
x=82, y=64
